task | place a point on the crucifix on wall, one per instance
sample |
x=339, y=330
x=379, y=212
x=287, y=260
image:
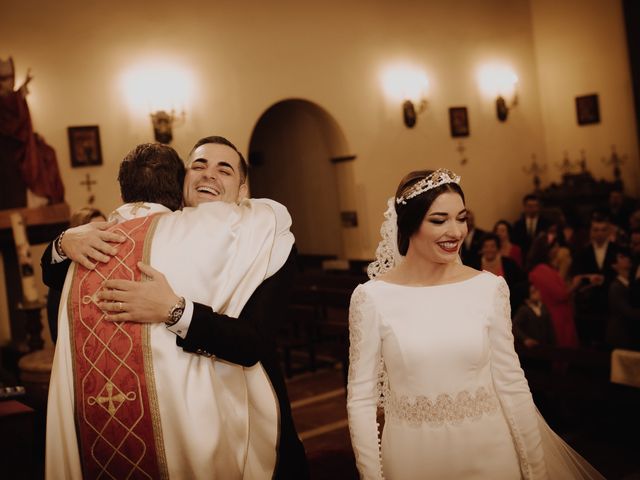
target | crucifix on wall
x=88, y=182
x=461, y=150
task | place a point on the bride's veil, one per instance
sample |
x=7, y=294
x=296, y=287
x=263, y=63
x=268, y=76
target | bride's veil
x=387, y=254
x=563, y=461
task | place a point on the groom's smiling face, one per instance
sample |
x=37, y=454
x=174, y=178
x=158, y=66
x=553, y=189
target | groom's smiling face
x=213, y=173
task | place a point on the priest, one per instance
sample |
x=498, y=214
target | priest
x=144, y=407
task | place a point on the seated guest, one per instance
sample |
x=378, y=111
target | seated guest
x=532, y=324
x=553, y=291
x=502, y=229
x=530, y=224
x=81, y=217
x=470, y=250
x=492, y=261
x=623, y=327
x=592, y=274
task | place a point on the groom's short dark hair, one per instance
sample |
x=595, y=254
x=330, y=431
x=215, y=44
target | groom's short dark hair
x=152, y=172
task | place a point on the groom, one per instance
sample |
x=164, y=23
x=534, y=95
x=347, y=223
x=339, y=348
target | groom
x=291, y=453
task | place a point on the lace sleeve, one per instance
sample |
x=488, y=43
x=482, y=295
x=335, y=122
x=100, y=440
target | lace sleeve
x=362, y=388
x=512, y=388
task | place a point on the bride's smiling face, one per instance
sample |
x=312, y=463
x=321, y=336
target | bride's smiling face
x=442, y=231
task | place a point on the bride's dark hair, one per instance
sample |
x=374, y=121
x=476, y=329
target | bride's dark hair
x=411, y=214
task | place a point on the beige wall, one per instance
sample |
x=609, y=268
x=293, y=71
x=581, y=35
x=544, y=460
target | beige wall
x=581, y=49
x=247, y=56
x=296, y=147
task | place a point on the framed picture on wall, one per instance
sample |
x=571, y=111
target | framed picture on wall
x=588, y=109
x=84, y=146
x=349, y=219
x=459, y=121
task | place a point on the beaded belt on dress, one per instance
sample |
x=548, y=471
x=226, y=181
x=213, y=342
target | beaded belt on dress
x=444, y=409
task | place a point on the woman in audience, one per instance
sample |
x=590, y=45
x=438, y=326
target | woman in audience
x=553, y=291
x=431, y=339
x=492, y=261
x=559, y=253
x=502, y=229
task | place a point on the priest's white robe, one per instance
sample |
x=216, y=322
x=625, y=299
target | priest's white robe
x=219, y=420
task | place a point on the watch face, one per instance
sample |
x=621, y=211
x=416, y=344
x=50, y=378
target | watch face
x=176, y=312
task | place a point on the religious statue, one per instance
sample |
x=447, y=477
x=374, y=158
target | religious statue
x=26, y=161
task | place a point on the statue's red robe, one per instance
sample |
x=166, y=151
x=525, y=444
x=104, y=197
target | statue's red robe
x=25, y=152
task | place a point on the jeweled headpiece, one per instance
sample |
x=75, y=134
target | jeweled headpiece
x=433, y=180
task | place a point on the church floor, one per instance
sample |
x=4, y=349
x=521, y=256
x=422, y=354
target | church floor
x=608, y=436
x=319, y=406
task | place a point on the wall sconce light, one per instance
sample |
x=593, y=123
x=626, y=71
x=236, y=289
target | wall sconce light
x=159, y=89
x=409, y=85
x=502, y=109
x=500, y=83
x=163, y=123
x=410, y=112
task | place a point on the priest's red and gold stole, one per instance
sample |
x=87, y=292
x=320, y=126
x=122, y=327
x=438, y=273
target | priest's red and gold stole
x=116, y=405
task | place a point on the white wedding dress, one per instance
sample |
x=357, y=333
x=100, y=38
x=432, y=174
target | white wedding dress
x=440, y=360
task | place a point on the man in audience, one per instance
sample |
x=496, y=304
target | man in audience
x=592, y=274
x=470, y=250
x=530, y=224
x=623, y=326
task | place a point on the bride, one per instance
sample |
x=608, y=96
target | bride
x=431, y=342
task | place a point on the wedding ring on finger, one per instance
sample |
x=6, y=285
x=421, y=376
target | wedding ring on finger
x=120, y=309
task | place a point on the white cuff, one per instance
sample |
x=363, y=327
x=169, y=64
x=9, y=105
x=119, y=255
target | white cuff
x=55, y=256
x=181, y=327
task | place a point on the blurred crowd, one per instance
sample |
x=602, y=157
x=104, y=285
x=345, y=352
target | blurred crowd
x=572, y=283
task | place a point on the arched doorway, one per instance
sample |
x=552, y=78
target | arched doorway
x=292, y=152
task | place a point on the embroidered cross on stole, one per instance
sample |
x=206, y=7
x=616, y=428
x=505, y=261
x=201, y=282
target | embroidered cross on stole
x=116, y=406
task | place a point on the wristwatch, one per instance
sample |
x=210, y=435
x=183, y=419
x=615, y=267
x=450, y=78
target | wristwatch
x=175, y=313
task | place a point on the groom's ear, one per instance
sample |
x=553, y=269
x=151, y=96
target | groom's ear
x=243, y=192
